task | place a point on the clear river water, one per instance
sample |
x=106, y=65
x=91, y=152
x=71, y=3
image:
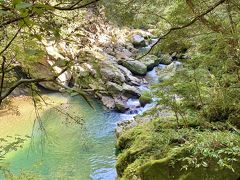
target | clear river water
x=70, y=150
x=67, y=149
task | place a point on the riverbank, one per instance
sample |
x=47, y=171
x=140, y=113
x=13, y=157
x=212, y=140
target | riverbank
x=159, y=148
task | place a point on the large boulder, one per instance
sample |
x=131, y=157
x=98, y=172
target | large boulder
x=114, y=88
x=110, y=72
x=136, y=67
x=44, y=70
x=165, y=59
x=150, y=61
x=130, y=79
x=138, y=41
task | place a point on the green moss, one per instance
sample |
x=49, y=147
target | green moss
x=161, y=150
x=145, y=98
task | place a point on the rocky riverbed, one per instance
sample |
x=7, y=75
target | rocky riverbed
x=112, y=74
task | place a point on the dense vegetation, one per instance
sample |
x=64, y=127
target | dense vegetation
x=201, y=134
x=203, y=96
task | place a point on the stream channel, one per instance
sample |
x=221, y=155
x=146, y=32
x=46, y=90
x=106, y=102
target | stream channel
x=70, y=150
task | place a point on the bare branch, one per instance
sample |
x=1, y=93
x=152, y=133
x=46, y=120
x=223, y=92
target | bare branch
x=10, y=42
x=28, y=81
x=74, y=7
x=3, y=74
x=10, y=21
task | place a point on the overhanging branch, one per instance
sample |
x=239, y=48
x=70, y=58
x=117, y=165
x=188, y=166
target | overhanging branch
x=28, y=81
x=10, y=42
x=184, y=26
x=75, y=6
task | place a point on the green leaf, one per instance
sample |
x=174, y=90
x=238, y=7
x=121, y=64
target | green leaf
x=23, y=5
x=39, y=11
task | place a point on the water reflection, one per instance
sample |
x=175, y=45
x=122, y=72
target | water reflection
x=72, y=150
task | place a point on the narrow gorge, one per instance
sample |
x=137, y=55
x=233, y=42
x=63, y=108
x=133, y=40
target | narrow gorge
x=119, y=89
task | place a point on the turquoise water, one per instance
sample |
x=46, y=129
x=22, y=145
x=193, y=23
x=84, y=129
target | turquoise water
x=83, y=148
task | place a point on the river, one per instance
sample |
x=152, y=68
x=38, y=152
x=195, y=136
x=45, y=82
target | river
x=82, y=147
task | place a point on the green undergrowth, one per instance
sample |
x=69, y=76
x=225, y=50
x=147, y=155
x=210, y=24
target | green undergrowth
x=161, y=149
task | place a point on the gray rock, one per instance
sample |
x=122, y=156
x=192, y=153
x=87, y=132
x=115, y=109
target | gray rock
x=110, y=72
x=165, y=59
x=136, y=67
x=124, y=126
x=108, y=102
x=130, y=91
x=124, y=54
x=130, y=79
x=114, y=88
x=138, y=41
x=168, y=71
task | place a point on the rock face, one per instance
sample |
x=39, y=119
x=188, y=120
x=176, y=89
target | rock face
x=136, y=67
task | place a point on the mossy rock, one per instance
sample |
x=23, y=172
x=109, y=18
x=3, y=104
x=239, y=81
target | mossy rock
x=161, y=169
x=165, y=59
x=163, y=154
x=120, y=106
x=138, y=41
x=150, y=61
x=145, y=100
x=114, y=88
x=136, y=67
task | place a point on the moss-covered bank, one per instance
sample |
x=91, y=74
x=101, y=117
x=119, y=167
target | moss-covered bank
x=162, y=150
